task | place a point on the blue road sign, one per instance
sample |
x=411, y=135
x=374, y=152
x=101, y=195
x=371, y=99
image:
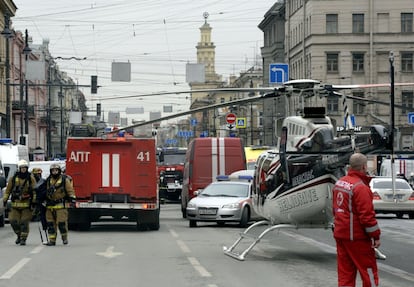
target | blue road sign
x=185, y=134
x=241, y=123
x=278, y=73
x=193, y=122
x=353, y=122
x=411, y=118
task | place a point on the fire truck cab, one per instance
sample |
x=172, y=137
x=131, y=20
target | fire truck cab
x=170, y=169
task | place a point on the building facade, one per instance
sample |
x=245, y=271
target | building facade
x=350, y=42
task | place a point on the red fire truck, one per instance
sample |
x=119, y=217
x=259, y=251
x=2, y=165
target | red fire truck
x=170, y=168
x=114, y=178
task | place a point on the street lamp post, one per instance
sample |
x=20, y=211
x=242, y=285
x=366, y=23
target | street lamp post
x=60, y=94
x=48, y=112
x=7, y=33
x=26, y=52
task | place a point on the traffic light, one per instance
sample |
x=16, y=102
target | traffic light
x=94, y=84
x=98, y=110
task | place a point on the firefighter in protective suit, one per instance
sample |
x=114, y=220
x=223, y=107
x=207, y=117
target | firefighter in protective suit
x=59, y=195
x=21, y=188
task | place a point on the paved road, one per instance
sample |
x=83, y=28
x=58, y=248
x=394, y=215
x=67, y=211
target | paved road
x=177, y=255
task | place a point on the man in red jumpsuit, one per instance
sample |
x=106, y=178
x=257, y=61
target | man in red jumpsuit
x=356, y=229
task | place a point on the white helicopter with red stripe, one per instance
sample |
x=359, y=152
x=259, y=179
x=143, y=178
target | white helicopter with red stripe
x=293, y=183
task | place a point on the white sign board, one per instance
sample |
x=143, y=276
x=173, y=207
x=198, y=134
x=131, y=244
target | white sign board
x=195, y=73
x=35, y=71
x=121, y=72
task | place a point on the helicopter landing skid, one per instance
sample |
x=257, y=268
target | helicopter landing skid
x=240, y=256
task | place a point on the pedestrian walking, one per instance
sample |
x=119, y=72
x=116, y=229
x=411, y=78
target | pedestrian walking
x=40, y=189
x=59, y=193
x=356, y=229
x=21, y=189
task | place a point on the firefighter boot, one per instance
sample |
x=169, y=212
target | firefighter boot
x=65, y=239
x=51, y=243
x=23, y=241
x=18, y=240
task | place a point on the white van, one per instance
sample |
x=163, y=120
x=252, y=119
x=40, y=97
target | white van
x=10, y=154
x=401, y=167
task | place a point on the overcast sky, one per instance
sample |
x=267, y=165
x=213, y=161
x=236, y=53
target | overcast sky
x=158, y=37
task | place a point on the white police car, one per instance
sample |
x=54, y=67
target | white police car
x=229, y=199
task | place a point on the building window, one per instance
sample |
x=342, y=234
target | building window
x=358, y=107
x=332, y=62
x=357, y=23
x=357, y=62
x=331, y=23
x=406, y=62
x=406, y=22
x=407, y=101
x=383, y=25
x=332, y=105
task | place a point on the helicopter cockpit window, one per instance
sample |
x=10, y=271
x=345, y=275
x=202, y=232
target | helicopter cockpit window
x=321, y=140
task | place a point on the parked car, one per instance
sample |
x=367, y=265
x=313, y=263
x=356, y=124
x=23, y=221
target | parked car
x=223, y=201
x=399, y=201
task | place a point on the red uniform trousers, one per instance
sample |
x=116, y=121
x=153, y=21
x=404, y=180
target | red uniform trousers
x=353, y=256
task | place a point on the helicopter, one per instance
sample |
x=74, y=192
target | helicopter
x=292, y=185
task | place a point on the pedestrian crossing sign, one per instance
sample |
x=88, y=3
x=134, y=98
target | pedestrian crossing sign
x=241, y=123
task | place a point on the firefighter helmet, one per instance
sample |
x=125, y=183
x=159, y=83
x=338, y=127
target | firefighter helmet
x=36, y=170
x=22, y=163
x=55, y=166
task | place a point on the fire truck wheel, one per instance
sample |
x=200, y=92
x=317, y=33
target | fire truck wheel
x=2, y=220
x=141, y=227
x=84, y=226
x=193, y=223
x=154, y=226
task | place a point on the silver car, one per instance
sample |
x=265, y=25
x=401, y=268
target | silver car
x=221, y=202
x=399, y=201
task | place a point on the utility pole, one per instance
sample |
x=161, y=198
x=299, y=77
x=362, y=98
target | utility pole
x=26, y=52
x=48, y=113
x=7, y=33
x=392, y=92
x=61, y=119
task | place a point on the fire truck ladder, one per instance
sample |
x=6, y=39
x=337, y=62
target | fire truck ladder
x=248, y=233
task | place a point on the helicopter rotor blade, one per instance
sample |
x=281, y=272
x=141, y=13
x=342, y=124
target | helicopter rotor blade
x=275, y=93
x=241, y=90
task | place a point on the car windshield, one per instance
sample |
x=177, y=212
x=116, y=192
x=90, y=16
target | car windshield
x=388, y=185
x=230, y=190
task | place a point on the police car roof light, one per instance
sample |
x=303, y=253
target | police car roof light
x=246, y=177
x=239, y=177
x=222, y=177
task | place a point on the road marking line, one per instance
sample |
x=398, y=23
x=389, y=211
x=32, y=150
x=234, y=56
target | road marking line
x=397, y=272
x=325, y=247
x=328, y=248
x=173, y=233
x=37, y=249
x=9, y=274
x=203, y=272
x=184, y=248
